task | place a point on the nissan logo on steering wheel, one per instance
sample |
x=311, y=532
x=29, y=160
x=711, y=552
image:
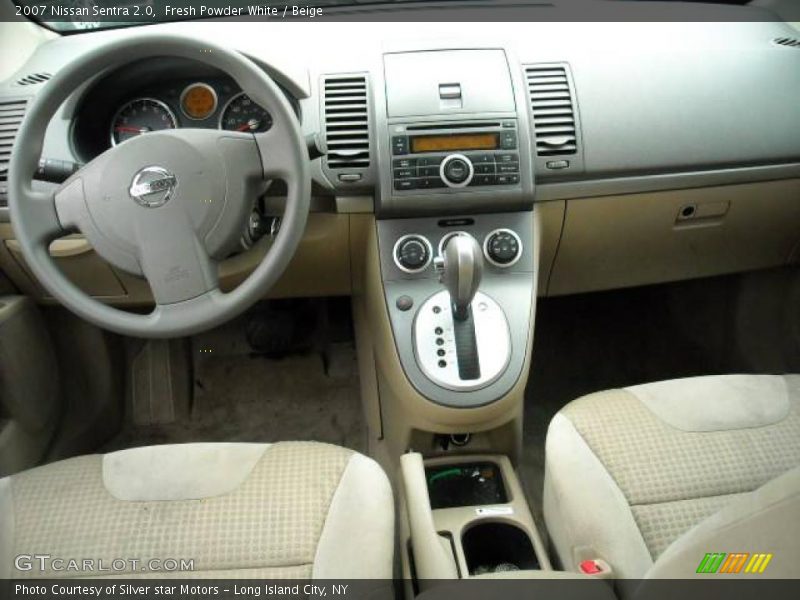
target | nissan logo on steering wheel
x=153, y=187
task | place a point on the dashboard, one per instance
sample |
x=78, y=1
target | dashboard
x=646, y=161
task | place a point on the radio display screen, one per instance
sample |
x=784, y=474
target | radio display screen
x=446, y=143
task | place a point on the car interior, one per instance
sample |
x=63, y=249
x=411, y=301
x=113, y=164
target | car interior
x=431, y=300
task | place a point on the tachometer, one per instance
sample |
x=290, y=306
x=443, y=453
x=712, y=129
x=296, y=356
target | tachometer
x=242, y=114
x=139, y=116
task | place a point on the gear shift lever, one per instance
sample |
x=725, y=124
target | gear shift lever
x=461, y=349
x=460, y=269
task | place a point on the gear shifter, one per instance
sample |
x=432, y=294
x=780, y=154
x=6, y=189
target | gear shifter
x=460, y=269
x=456, y=347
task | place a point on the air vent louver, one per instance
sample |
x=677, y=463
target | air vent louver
x=11, y=114
x=34, y=78
x=787, y=41
x=346, y=121
x=553, y=110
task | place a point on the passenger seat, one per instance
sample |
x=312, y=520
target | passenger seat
x=654, y=477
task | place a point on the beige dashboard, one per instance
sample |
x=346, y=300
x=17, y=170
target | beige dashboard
x=587, y=244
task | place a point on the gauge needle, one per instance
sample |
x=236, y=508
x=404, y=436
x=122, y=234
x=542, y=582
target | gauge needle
x=125, y=129
x=251, y=124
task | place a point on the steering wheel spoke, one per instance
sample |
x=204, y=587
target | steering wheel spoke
x=70, y=204
x=173, y=260
x=41, y=214
x=277, y=152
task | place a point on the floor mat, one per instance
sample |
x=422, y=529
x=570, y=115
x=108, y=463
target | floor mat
x=242, y=397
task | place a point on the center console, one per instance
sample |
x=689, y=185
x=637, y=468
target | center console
x=459, y=363
x=455, y=229
x=444, y=314
x=468, y=517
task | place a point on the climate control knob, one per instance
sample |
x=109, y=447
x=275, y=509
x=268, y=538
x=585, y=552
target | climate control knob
x=502, y=247
x=412, y=253
x=456, y=170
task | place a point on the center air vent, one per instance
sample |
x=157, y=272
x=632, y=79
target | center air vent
x=11, y=114
x=346, y=121
x=34, y=78
x=554, y=115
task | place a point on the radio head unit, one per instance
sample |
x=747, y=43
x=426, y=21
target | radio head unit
x=454, y=156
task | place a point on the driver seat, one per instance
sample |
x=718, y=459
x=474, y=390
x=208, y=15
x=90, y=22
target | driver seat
x=290, y=510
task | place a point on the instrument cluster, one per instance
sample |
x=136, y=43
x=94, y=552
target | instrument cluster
x=195, y=104
x=148, y=96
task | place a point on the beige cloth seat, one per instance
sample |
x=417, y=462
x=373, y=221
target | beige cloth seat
x=652, y=477
x=286, y=510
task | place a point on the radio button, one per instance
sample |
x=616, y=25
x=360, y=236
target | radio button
x=400, y=144
x=485, y=168
x=405, y=184
x=484, y=180
x=404, y=163
x=508, y=168
x=429, y=171
x=430, y=182
x=507, y=179
x=508, y=140
x=429, y=161
x=404, y=173
x=505, y=158
x=456, y=170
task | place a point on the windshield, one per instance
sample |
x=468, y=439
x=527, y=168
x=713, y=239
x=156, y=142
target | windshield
x=73, y=16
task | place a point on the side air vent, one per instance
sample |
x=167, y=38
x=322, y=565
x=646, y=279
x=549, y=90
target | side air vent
x=787, y=41
x=554, y=119
x=346, y=121
x=34, y=78
x=11, y=114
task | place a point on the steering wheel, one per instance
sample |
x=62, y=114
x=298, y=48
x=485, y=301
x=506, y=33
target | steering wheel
x=167, y=205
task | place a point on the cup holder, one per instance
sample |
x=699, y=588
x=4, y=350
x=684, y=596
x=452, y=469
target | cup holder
x=494, y=547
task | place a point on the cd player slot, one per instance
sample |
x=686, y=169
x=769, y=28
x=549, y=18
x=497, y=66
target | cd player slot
x=444, y=126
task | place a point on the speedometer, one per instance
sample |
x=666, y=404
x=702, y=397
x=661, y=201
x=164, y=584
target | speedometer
x=242, y=114
x=141, y=116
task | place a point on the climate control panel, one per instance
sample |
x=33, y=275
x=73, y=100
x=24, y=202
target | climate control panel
x=413, y=253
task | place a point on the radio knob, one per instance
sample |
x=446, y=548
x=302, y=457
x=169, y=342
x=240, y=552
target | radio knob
x=456, y=170
x=412, y=253
x=502, y=247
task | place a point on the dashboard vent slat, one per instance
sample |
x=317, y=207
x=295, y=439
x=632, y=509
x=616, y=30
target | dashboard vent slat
x=553, y=107
x=33, y=78
x=346, y=116
x=11, y=114
x=787, y=41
